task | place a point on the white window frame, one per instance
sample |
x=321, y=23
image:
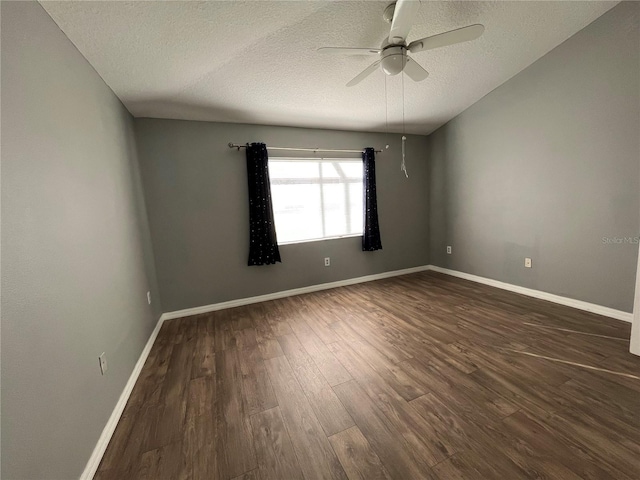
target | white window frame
x=313, y=159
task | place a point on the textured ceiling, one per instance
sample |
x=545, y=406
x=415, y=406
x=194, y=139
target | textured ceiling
x=256, y=62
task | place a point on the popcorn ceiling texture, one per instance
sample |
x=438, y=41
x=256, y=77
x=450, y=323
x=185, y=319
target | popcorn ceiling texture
x=255, y=62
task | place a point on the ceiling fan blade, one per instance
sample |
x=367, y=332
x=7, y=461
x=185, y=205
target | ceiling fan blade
x=349, y=51
x=364, y=74
x=414, y=71
x=463, y=34
x=403, y=17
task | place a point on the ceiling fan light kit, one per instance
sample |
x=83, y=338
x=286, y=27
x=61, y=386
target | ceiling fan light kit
x=394, y=59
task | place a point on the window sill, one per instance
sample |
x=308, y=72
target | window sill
x=319, y=239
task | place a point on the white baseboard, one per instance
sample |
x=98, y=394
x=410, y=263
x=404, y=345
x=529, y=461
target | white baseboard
x=110, y=427
x=569, y=302
x=288, y=293
x=550, y=297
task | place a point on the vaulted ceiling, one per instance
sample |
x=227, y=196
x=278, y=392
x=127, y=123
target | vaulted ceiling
x=256, y=62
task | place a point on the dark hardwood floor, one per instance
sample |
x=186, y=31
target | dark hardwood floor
x=423, y=376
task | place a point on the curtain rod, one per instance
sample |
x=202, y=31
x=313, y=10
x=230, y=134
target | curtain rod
x=314, y=150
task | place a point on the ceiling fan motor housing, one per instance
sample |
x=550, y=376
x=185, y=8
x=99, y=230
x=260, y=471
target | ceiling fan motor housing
x=394, y=59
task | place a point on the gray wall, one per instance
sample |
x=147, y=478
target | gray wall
x=196, y=194
x=545, y=166
x=74, y=271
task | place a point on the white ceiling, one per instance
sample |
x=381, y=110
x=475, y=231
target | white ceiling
x=255, y=62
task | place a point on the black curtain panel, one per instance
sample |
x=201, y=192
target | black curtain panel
x=371, y=237
x=263, y=244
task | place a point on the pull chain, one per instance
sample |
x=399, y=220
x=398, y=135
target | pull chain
x=403, y=166
x=386, y=112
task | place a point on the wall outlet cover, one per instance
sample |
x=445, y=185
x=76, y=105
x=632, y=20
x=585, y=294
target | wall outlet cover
x=527, y=262
x=327, y=261
x=449, y=249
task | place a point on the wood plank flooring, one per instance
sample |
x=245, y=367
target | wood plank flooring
x=423, y=376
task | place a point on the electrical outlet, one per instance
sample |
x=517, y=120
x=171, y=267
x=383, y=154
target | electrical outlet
x=449, y=249
x=149, y=298
x=527, y=262
x=327, y=261
x=103, y=363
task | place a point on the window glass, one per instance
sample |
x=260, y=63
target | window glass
x=316, y=199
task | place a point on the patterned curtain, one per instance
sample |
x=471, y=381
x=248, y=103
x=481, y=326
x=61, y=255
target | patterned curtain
x=371, y=237
x=263, y=246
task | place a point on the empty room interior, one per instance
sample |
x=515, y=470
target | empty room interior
x=320, y=240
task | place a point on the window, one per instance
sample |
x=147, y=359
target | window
x=315, y=199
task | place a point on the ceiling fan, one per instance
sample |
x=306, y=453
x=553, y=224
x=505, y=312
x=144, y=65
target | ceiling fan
x=393, y=54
